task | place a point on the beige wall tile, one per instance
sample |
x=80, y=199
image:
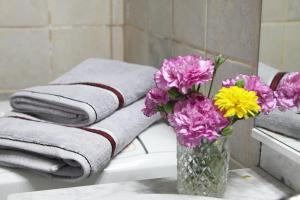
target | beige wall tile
x=271, y=44
x=4, y=95
x=292, y=47
x=79, y=12
x=159, y=49
x=23, y=13
x=230, y=69
x=73, y=45
x=274, y=10
x=118, y=43
x=160, y=17
x=118, y=12
x=136, y=46
x=189, y=21
x=137, y=13
x=24, y=58
x=293, y=10
x=182, y=49
x=244, y=148
x=233, y=28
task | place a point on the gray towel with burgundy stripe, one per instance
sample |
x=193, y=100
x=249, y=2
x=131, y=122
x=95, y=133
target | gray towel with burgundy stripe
x=88, y=93
x=286, y=123
x=68, y=153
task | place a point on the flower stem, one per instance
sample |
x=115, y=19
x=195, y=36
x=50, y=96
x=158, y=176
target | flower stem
x=219, y=60
x=198, y=88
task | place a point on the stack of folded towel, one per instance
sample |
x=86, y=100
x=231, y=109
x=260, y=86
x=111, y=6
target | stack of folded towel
x=286, y=123
x=71, y=128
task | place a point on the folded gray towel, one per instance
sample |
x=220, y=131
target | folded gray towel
x=287, y=123
x=68, y=153
x=90, y=92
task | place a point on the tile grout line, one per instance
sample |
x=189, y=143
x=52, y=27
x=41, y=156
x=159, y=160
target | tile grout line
x=283, y=50
x=259, y=36
x=173, y=27
x=205, y=27
x=65, y=26
x=281, y=22
x=50, y=41
x=111, y=29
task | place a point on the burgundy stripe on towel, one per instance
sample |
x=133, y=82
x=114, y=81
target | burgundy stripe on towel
x=106, y=135
x=24, y=118
x=276, y=80
x=100, y=85
x=99, y=132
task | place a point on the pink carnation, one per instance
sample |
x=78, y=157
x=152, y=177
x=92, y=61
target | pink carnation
x=154, y=97
x=288, y=91
x=265, y=94
x=183, y=72
x=195, y=119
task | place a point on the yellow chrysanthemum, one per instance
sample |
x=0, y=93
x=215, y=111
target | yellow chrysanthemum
x=235, y=101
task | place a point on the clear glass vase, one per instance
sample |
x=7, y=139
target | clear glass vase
x=203, y=170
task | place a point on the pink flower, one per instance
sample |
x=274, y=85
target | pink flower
x=230, y=82
x=158, y=96
x=288, y=91
x=150, y=107
x=183, y=72
x=265, y=94
x=154, y=97
x=195, y=119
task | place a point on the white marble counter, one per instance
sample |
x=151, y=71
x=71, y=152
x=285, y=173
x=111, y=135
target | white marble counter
x=242, y=184
x=280, y=156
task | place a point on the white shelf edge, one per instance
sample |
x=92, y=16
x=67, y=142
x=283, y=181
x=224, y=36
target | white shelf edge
x=276, y=145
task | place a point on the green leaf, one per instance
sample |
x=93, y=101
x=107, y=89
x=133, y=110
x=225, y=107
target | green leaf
x=173, y=93
x=235, y=119
x=169, y=107
x=160, y=108
x=227, y=131
x=240, y=83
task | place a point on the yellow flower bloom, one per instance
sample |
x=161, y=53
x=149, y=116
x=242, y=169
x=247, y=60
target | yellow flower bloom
x=235, y=101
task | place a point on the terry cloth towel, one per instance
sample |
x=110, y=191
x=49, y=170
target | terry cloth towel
x=287, y=123
x=88, y=93
x=68, y=153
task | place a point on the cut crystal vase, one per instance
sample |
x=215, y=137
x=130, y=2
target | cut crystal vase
x=203, y=170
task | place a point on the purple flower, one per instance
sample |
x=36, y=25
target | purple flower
x=288, y=91
x=153, y=98
x=231, y=82
x=183, y=72
x=158, y=96
x=265, y=94
x=150, y=107
x=195, y=119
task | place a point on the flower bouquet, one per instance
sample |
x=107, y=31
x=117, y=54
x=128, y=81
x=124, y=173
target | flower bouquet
x=203, y=124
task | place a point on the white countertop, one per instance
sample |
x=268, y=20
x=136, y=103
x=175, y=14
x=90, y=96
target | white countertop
x=252, y=184
x=285, y=145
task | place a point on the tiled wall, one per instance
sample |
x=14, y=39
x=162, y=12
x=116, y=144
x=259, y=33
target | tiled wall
x=155, y=29
x=280, y=34
x=41, y=39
